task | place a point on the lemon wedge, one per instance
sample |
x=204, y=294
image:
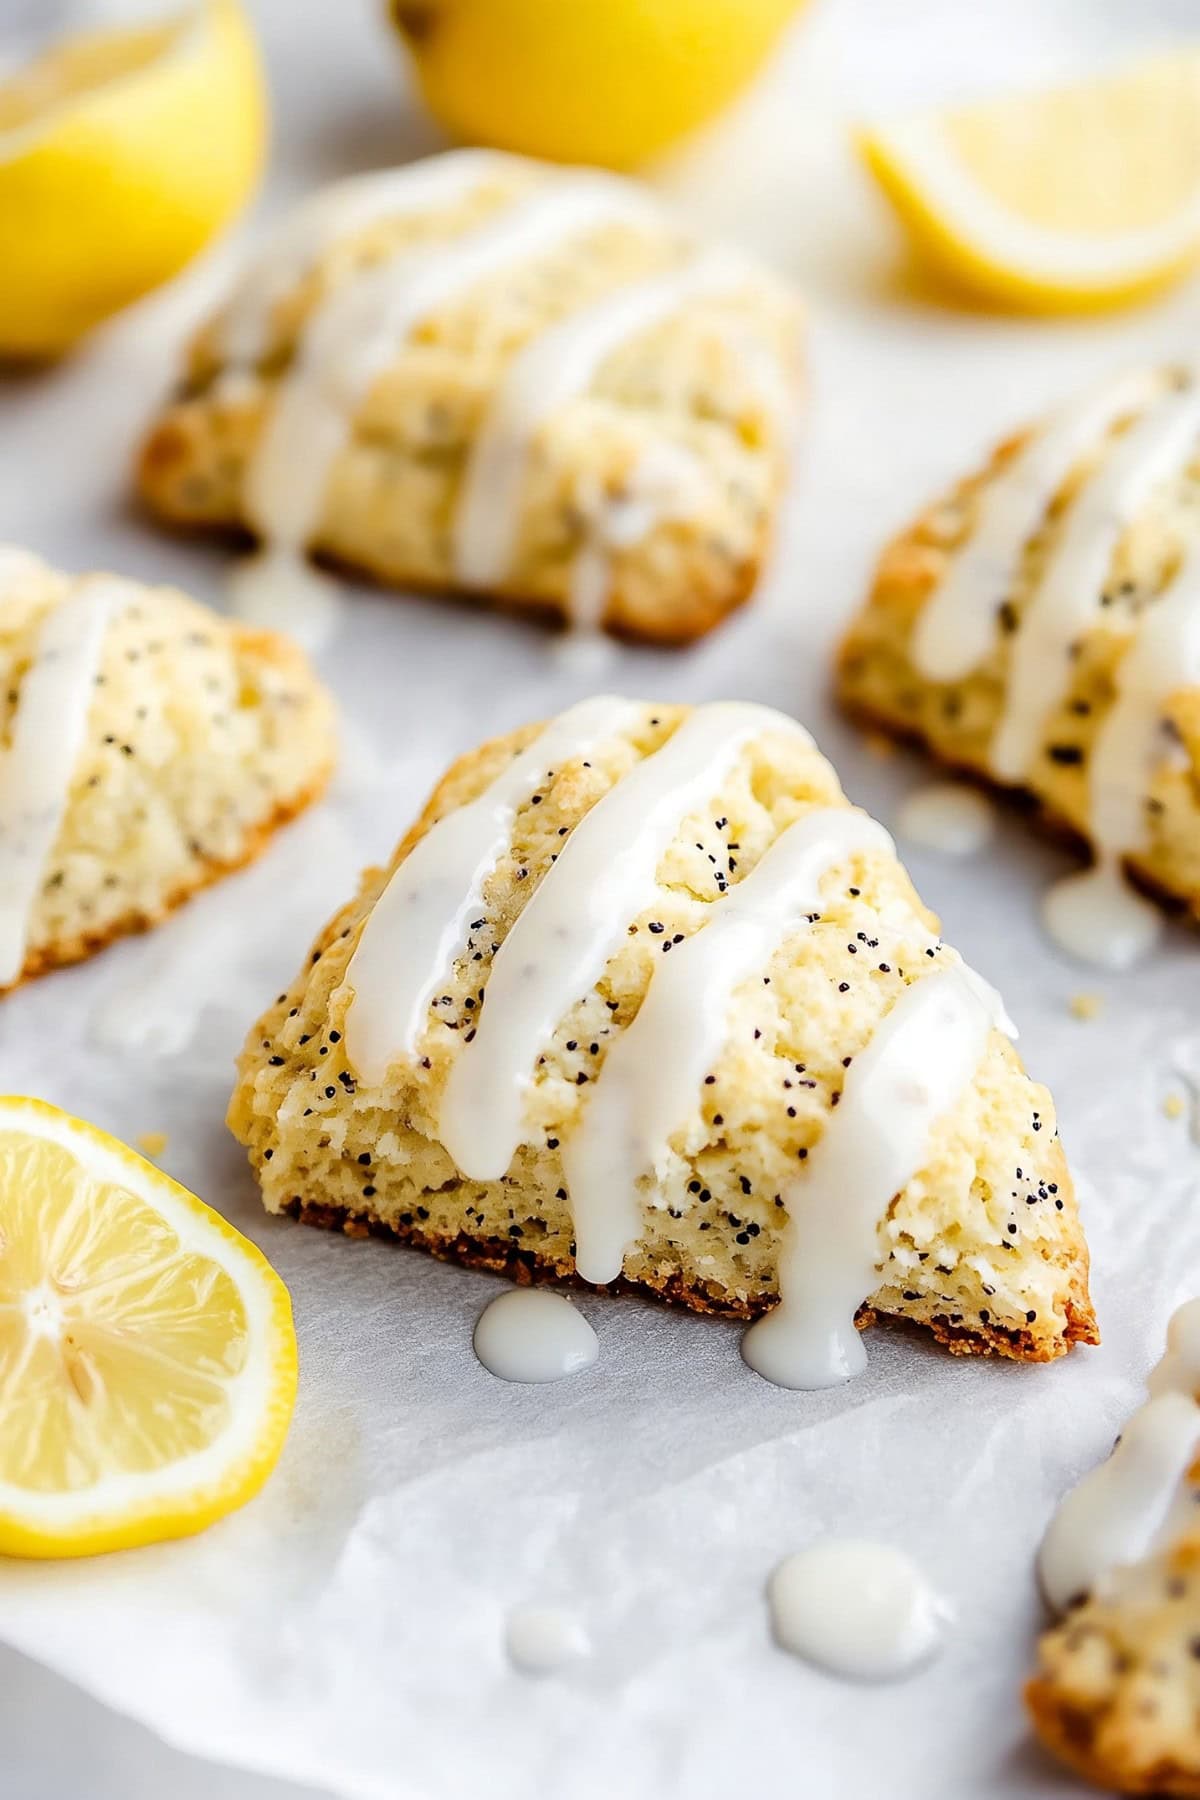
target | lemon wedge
x=1073, y=198
x=147, y=1357
x=122, y=153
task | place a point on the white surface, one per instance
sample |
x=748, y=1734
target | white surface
x=347, y=1628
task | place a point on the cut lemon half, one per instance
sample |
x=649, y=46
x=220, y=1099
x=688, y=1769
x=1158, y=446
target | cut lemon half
x=1068, y=199
x=147, y=1357
x=122, y=152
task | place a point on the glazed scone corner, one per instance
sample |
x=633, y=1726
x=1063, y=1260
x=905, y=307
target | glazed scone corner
x=983, y=1246
x=1117, y=1691
x=200, y=739
x=1112, y=479
x=632, y=388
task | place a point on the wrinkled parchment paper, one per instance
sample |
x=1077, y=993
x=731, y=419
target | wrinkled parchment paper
x=346, y=1628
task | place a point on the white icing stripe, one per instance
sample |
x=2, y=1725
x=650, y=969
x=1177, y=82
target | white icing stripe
x=47, y=736
x=340, y=211
x=557, y=367
x=910, y=1075
x=957, y=627
x=650, y=1083
x=352, y=338
x=1164, y=656
x=422, y=917
x=1067, y=598
x=666, y=482
x=1132, y=1504
x=576, y=919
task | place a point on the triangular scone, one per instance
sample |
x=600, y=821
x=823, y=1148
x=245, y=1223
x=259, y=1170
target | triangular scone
x=147, y=747
x=485, y=374
x=1117, y=1690
x=1040, y=625
x=624, y=965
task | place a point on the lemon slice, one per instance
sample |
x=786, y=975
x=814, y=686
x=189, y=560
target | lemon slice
x=121, y=154
x=147, y=1357
x=1068, y=199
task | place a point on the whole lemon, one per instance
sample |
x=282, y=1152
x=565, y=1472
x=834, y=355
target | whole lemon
x=122, y=153
x=596, y=81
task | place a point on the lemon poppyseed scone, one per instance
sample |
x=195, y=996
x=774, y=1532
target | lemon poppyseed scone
x=1117, y=1690
x=483, y=374
x=1040, y=626
x=640, y=995
x=146, y=748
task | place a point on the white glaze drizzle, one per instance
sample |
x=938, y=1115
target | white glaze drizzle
x=353, y=337
x=423, y=914
x=651, y=1080
x=1134, y=1503
x=948, y=817
x=557, y=367
x=957, y=626
x=576, y=919
x=541, y=1640
x=46, y=738
x=343, y=210
x=856, y=1608
x=1066, y=599
x=532, y=1335
x=911, y=1074
x=1096, y=917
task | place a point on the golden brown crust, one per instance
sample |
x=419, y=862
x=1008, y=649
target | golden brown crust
x=673, y=617
x=528, y=1267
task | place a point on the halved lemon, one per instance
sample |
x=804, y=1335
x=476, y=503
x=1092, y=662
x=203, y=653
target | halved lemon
x=1072, y=198
x=122, y=152
x=147, y=1356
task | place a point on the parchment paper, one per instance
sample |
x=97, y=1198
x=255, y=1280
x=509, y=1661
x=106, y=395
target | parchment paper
x=346, y=1628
